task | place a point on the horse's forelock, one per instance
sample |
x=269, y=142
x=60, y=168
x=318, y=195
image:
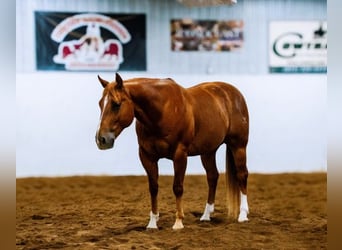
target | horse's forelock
x=114, y=93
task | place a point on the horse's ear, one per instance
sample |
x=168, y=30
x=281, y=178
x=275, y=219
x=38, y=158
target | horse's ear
x=104, y=83
x=119, y=82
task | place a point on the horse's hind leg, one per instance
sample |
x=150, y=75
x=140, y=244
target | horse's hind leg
x=239, y=155
x=209, y=163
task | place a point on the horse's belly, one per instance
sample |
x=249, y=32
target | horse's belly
x=209, y=135
x=204, y=146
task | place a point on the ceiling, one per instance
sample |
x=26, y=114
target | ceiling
x=202, y=3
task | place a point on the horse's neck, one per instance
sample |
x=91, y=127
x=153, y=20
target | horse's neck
x=148, y=101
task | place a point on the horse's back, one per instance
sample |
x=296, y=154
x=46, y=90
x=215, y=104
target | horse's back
x=216, y=89
x=220, y=94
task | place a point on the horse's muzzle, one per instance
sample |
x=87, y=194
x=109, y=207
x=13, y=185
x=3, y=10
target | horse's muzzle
x=105, y=140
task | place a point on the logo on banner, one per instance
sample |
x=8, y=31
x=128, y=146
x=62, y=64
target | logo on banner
x=90, y=51
x=288, y=45
x=298, y=46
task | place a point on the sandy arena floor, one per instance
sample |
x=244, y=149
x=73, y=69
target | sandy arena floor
x=287, y=211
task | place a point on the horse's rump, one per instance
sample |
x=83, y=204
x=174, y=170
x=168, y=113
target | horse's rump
x=219, y=111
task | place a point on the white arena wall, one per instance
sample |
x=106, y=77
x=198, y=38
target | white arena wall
x=57, y=116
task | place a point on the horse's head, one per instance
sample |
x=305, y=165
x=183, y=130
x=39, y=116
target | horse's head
x=117, y=112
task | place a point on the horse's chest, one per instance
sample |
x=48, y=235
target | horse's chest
x=158, y=147
x=162, y=147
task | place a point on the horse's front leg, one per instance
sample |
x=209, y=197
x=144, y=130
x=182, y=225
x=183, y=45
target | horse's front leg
x=151, y=168
x=179, y=164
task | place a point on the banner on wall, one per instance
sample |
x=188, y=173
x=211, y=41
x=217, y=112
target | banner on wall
x=206, y=35
x=298, y=46
x=90, y=41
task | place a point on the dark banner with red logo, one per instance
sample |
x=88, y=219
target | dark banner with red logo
x=90, y=41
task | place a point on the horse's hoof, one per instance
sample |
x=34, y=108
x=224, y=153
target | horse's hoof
x=243, y=220
x=242, y=217
x=152, y=226
x=205, y=218
x=178, y=225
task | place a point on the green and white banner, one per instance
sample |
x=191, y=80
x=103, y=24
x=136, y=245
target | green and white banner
x=298, y=47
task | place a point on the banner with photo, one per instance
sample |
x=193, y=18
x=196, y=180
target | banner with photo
x=206, y=35
x=298, y=47
x=90, y=41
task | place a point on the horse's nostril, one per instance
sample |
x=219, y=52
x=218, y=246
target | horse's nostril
x=105, y=140
x=102, y=140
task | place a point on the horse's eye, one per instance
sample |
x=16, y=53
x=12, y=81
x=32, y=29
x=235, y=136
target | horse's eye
x=115, y=106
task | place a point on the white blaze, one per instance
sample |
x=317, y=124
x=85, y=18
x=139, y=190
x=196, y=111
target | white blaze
x=105, y=102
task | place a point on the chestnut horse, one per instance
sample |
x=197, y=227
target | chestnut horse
x=174, y=122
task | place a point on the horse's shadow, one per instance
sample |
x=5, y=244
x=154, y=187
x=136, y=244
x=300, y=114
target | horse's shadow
x=216, y=220
x=193, y=218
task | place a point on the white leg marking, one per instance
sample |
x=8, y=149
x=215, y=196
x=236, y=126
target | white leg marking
x=209, y=208
x=153, y=221
x=243, y=208
x=178, y=224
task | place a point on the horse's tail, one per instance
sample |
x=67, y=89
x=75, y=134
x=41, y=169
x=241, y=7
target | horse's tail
x=232, y=185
